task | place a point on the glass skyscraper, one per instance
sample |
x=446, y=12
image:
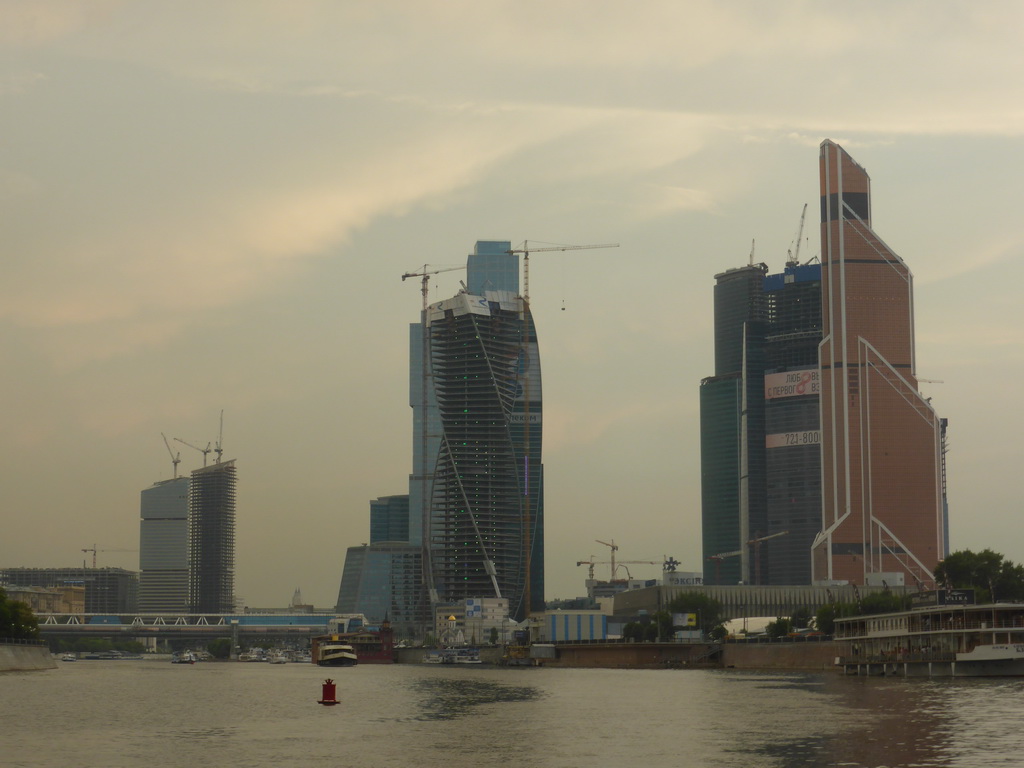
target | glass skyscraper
x=760, y=472
x=163, y=547
x=211, y=533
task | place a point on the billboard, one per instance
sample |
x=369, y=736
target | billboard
x=792, y=384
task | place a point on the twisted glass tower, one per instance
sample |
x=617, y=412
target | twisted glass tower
x=486, y=515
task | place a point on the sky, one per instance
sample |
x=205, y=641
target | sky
x=208, y=207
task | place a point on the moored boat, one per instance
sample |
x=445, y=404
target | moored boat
x=944, y=634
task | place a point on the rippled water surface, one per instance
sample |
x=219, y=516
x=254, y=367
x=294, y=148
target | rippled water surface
x=153, y=713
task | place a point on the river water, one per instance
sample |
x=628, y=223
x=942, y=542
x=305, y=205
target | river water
x=153, y=713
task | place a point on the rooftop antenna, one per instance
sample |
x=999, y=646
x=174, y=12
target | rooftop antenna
x=175, y=460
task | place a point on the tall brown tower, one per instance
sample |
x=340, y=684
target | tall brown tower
x=882, y=504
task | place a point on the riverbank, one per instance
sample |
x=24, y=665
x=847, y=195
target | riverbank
x=790, y=656
x=25, y=656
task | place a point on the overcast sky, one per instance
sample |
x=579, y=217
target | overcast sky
x=209, y=206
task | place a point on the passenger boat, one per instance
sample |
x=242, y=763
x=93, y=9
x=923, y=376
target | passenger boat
x=185, y=657
x=453, y=656
x=69, y=657
x=943, y=635
x=336, y=653
x=372, y=645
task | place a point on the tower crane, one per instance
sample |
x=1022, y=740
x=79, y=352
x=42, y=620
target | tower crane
x=794, y=253
x=614, y=548
x=756, y=544
x=219, y=446
x=425, y=274
x=205, y=451
x=615, y=565
x=94, y=551
x=175, y=460
x=526, y=250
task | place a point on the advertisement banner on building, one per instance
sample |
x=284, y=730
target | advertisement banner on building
x=792, y=439
x=792, y=384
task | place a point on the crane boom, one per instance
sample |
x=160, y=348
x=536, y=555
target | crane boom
x=205, y=451
x=425, y=274
x=175, y=460
x=526, y=251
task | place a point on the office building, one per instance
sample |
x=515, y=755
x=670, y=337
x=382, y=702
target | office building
x=882, y=442
x=389, y=521
x=163, y=547
x=384, y=581
x=760, y=469
x=211, y=532
x=112, y=591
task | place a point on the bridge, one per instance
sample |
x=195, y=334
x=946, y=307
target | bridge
x=201, y=627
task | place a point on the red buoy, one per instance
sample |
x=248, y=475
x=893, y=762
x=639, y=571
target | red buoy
x=329, y=693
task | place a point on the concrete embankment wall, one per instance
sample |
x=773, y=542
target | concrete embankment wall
x=769, y=656
x=25, y=657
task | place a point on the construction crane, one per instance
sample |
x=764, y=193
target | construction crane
x=425, y=274
x=718, y=562
x=205, y=451
x=526, y=251
x=219, y=446
x=793, y=257
x=94, y=551
x=614, y=548
x=756, y=544
x=175, y=460
x=615, y=565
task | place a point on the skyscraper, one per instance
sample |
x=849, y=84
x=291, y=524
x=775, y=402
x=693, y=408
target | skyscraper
x=882, y=441
x=760, y=471
x=486, y=509
x=211, y=533
x=163, y=547
x=473, y=520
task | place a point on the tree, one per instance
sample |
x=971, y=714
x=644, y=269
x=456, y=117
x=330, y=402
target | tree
x=220, y=648
x=988, y=573
x=778, y=628
x=708, y=610
x=17, y=619
x=494, y=636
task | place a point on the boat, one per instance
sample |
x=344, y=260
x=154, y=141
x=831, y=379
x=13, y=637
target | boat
x=277, y=657
x=68, y=657
x=336, y=653
x=372, y=645
x=185, y=657
x=944, y=634
x=453, y=656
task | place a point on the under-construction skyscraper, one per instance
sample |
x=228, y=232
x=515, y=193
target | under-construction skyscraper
x=211, y=533
x=486, y=510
